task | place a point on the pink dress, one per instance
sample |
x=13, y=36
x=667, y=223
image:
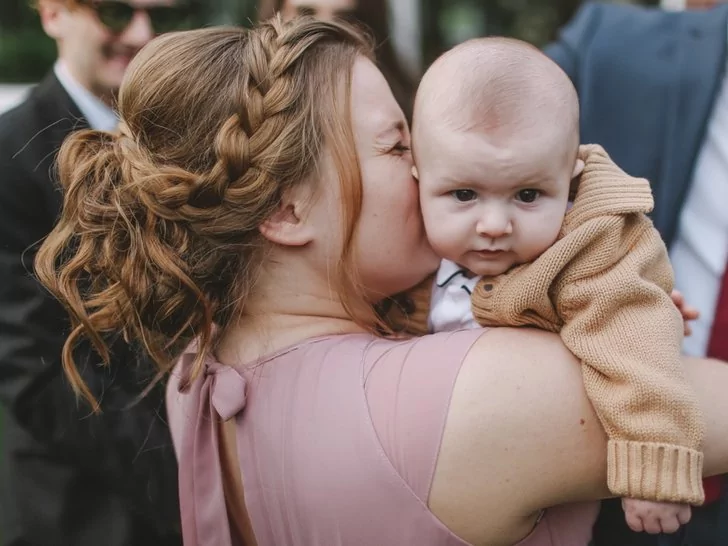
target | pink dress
x=338, y=440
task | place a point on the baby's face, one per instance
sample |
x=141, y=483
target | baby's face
x=489, y=206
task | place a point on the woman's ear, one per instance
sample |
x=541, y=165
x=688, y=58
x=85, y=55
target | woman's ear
x=415, y=173
x=287, y=226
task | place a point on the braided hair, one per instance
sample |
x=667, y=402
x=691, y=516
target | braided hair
x=158, y=239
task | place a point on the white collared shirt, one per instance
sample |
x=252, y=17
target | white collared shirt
x=451, y=296
x=700, y=251
x=96, y=112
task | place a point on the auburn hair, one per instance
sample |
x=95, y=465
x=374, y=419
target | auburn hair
x=158, y=239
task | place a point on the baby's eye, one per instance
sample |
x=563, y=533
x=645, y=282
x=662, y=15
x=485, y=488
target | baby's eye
x=528, y=196
x=463, y=195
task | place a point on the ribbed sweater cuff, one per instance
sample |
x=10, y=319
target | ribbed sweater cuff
x=658, y=472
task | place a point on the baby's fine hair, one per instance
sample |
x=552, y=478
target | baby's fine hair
x=499, y=85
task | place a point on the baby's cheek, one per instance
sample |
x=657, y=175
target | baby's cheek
x=539, y=243
x=446, y=242
x=429, y=212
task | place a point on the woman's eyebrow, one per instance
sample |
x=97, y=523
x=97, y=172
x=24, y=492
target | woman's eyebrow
x=396, y=128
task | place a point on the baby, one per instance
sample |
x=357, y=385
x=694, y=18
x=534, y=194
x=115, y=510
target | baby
x=535, y=230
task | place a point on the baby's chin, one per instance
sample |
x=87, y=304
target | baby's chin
x=487, y=267
x=480, y=264
x=490, y=271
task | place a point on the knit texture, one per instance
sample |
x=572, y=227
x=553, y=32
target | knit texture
x=605, y=286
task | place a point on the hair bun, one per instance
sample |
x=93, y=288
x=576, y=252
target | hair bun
x=159, y=237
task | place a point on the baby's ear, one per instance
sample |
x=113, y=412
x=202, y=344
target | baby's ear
x=578, y=169
x=415, y=173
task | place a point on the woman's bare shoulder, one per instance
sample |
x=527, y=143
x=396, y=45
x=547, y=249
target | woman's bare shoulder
x=520, y=436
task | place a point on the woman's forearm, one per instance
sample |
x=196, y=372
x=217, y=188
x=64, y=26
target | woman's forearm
x=710, y=380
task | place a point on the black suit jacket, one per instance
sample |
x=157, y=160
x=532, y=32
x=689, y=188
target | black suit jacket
x=69, y=478
x=647, y=81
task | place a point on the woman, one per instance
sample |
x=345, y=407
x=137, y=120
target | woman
x=374, y=14
x=262, y=183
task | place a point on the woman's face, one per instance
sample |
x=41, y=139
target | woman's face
x=391, y=249
x=323, y=9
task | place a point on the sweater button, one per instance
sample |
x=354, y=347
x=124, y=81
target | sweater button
x=488, y=287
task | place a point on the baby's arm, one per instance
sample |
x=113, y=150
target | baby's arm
x=661, y=517
x=623, y=325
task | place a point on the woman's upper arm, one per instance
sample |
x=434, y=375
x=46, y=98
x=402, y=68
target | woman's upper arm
x=709, y=378
x=520, y=435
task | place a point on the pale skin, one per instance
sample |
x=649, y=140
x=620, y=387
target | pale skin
x=495, y=170
x=501, y=386
x=494, y=195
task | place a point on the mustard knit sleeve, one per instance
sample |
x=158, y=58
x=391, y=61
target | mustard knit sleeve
x=622, y=324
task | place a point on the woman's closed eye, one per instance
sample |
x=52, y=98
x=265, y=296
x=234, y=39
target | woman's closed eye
x=463, y=196
x=401, y=148
x=528, y=196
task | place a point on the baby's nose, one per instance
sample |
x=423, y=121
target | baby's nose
x=494, y=223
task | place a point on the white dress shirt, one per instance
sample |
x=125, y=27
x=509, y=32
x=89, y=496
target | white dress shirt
x=96, y=112
x=700, y=251
x=450, y=309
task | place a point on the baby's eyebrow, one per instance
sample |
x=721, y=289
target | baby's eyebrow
x=451, y=182
x=539, y=182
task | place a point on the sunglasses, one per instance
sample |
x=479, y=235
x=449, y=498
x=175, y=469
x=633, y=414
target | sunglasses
x=304, y=11
x=116, y=15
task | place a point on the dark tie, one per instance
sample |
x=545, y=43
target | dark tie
x=718, y=345
x=718, y=348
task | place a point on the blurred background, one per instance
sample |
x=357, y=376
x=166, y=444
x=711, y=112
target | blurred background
x=421, y=29
x=410, y=34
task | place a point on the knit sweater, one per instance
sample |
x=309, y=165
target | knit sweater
x=604, y=285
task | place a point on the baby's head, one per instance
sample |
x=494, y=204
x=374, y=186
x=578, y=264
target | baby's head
x=495, y=136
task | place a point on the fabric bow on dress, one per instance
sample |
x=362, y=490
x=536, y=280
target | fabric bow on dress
x=218, y=395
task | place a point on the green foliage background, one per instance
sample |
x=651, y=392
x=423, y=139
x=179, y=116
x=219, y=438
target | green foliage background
x=26, y=53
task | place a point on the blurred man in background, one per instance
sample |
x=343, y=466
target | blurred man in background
x=375, y=16
x=653, y=92
x=70, y=478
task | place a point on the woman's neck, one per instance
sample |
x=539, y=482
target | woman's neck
x=255, y=337
x=290, y=303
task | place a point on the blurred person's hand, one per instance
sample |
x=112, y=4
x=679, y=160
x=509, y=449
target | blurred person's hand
x=688, y=312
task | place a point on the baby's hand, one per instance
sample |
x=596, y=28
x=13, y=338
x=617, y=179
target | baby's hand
x=655, y=517
x=688, y=313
